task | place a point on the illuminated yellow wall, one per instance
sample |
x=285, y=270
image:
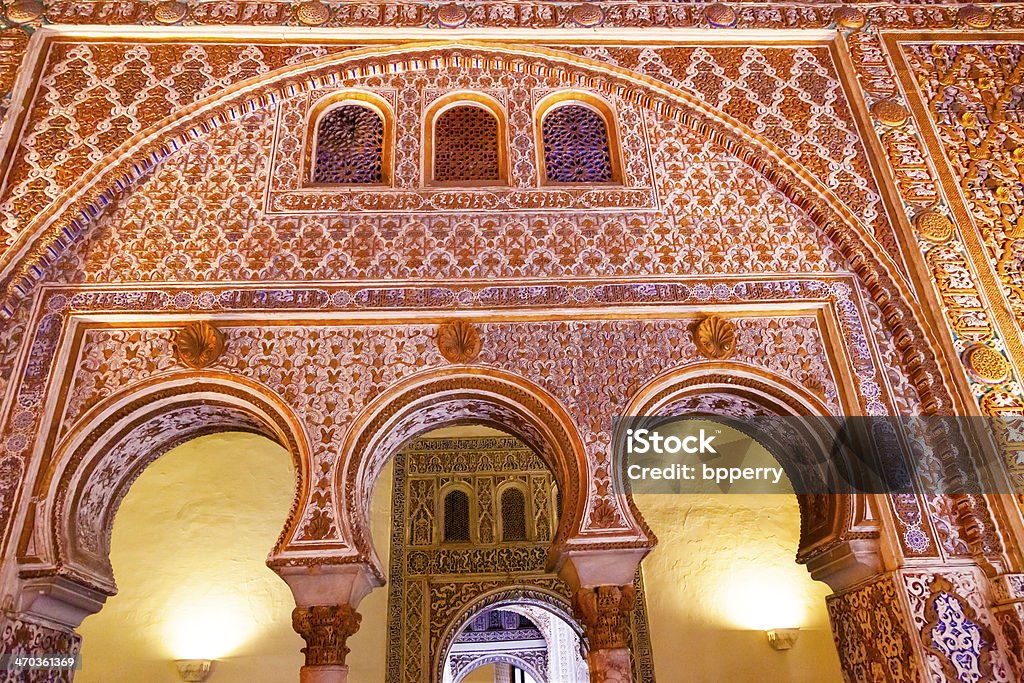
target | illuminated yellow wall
x=189, y=553
x=722, y=573
x=189, y=549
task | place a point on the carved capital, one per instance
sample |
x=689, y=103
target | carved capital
x=325, y=628
x=604, y=612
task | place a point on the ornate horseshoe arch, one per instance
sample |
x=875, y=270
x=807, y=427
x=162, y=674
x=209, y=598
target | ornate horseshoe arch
x=826, y=521
x=509, y=595
x=67, y=532
x=469, y=394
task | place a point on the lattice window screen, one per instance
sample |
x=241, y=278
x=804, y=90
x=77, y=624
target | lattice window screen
x=576, y=147
x=350, y=147
x=513, y=515
x=456, y=516
x=466, y=145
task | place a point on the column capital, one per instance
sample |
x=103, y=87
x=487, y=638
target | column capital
x=326, y=629
x=605, y=612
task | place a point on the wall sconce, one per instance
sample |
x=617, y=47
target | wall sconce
x=782, y=638
x=194, y=670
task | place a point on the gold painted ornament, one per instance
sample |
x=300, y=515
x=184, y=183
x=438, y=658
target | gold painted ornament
x=986, y=364
x=715, y=338
x=720, y=15
x=975, y=17
x=312, y=13
x=889, y=112
x=198, y=344
x=587, y=15
x=169, y=12
x=934, y=226
x=849, y=17
x=459, y=341
x=452, y=15
x=24, y=11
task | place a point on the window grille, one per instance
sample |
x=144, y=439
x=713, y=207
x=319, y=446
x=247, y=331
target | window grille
x=466, y=145
x=350, y=147
x=576, y=148
x=456, y=516
x=513, y=515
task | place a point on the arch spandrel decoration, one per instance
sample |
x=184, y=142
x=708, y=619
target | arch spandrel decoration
x=106, y=450
x=871, y=262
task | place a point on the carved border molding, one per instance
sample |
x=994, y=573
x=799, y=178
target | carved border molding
x=525, y=15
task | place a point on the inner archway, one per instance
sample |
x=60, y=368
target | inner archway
x=472, y=511
x=724, y=573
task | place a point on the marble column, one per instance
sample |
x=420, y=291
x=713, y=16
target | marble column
x=326, y=597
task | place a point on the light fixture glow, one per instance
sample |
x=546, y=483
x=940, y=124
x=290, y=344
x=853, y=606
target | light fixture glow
x=210, y=629
x=763, y=599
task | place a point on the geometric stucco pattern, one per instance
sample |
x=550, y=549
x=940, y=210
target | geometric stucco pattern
x=767, y=76
x=731, y=220
x=92, y=96
x=984, y=334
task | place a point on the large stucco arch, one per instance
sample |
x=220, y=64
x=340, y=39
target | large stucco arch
x=458, y=395
x=68, y=218
x=66, y=534
x=829, y=523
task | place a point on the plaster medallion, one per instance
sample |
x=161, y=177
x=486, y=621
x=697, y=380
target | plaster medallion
x=452, y=15
x=198, y=344
x=587, y=15
x=986, y=364
x=715, y=338
x=889, y=112
x=975, y=17
x=24, y=11
x=849, y=17
x=312, y=13
x=934, y=226
x=720, y=15
x=459, y=341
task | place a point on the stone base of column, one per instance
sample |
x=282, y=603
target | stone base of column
x=323, y=674
x=24, y=636
x=610, y=666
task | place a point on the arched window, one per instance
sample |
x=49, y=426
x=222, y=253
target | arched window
x=456, y=516
x=467, y=146
x=350, y=147
x=577, y=147
x=513, y=515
